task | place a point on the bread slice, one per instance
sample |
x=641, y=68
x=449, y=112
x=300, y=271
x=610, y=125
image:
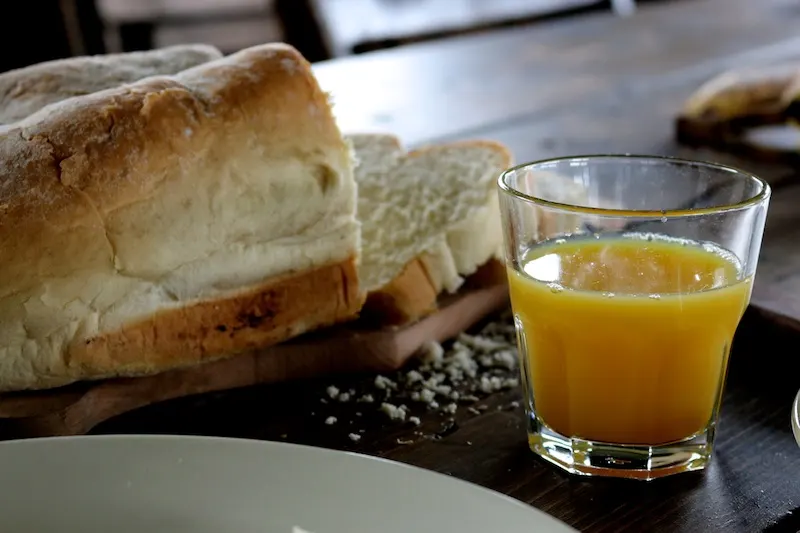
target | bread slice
x=26, y=90
x=429, y=218
x=173, y=221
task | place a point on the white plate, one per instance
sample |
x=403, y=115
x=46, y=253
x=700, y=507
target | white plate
x=796, y=418
x=153, y=484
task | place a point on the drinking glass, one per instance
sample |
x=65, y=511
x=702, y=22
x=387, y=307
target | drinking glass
x=628, y=277
x=796, y=418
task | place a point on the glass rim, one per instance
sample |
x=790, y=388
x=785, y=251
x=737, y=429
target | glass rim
x=762, y=195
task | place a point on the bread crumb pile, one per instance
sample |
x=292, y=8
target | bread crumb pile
x=442, y=379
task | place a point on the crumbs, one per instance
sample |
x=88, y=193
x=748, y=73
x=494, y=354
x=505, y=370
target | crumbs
x=443, y=381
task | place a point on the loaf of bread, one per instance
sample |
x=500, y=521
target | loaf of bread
x=26, y=90
x=173, y=221
x=429, y=219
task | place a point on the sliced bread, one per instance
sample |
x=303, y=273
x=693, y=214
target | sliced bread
x=429, y=219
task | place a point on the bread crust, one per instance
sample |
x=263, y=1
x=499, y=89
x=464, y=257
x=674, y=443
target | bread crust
x=25, y=91
x=411, y=295
x=282, y=308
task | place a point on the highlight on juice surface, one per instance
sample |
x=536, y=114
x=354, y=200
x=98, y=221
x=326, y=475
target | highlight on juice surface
x=628, y=277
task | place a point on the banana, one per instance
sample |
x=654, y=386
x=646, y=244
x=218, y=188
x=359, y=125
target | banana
x=753, y=92
x=722, y=112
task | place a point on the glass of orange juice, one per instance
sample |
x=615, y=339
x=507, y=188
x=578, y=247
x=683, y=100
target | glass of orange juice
x=628, y=277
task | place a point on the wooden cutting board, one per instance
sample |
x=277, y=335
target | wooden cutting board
x=76, y=409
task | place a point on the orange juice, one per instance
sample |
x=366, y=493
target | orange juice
x=627, y=338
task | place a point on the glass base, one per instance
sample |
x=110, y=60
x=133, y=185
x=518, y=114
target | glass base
x=588, y=458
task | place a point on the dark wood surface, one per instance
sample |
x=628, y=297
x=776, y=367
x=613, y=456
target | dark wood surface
x=590, y=84
x=360, y=25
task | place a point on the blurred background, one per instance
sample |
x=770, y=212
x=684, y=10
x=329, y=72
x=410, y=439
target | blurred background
x=40, y=30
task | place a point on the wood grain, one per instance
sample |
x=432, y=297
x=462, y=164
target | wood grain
x=473, y=84
x=345, y=28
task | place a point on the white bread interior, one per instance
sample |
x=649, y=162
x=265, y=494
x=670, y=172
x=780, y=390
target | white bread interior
x=25, y=91
x=429, y=219
x=174, y=220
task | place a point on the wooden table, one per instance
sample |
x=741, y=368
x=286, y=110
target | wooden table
x=592, y=84
x=348, y=26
